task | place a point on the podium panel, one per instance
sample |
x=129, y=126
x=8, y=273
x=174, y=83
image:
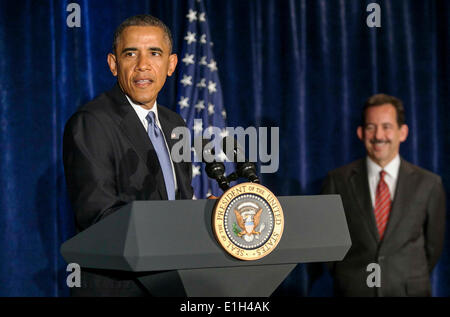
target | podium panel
x=153, y=236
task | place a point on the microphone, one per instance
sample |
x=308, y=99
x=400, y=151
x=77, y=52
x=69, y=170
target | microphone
x=213, y=168
x=244, y=168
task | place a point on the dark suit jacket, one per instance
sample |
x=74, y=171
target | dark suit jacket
x=413, y=238
x=110, y=161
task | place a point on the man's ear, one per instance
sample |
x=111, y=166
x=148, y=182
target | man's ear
x=404, y=130
x=360, y=132
x=173, y=60
x=112, y=62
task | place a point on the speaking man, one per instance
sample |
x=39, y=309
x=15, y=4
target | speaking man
x=395, y=210
x=117, y=147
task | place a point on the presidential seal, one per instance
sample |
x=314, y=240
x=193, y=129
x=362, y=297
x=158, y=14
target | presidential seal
x=248, y=221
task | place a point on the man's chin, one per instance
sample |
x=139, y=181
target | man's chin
x=381, y=160
x=143, y=101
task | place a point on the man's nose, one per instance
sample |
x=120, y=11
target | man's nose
x=143, y=63
x=379, y=133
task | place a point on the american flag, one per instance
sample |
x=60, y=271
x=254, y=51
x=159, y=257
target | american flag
x=199, y=91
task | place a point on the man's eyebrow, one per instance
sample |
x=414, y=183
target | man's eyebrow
x=133, y=49
x=157, y=49
x=129, y=49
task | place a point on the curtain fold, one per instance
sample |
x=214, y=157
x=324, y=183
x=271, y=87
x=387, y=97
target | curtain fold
x=305, y=66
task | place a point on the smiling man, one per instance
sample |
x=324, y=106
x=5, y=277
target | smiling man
x=117, y=147
x=395, y=211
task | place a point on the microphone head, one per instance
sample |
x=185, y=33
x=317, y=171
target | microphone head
x=247, y=170
x=214, y=168
x=236, y=153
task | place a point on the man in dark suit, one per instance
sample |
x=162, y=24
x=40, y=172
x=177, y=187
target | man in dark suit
x=395, y=211
x=117, y=147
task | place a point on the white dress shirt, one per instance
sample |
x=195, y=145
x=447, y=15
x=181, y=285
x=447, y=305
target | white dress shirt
x=142, y=114
x=373, y=173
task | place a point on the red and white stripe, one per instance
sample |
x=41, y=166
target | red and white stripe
x=382, y=205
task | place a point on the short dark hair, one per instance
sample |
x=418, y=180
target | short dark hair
x=381, y=99
x=142, y=20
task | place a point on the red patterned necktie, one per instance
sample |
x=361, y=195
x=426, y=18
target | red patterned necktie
x=382, y=205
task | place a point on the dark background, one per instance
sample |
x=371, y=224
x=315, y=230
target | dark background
x=305, y=66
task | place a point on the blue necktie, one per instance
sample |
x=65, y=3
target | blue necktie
x=157, y=139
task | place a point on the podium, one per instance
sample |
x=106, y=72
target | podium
x=172, y=248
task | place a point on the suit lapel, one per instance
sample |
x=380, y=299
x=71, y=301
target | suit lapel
x=402, y=196
x=135, y=132
x=361, y=193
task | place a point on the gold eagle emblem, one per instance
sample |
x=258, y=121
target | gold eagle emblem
x=248, y=223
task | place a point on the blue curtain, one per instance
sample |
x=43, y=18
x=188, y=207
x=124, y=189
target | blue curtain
x=305, y=66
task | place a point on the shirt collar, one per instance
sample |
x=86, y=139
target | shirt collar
x=373, y=169
x=142, y=113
